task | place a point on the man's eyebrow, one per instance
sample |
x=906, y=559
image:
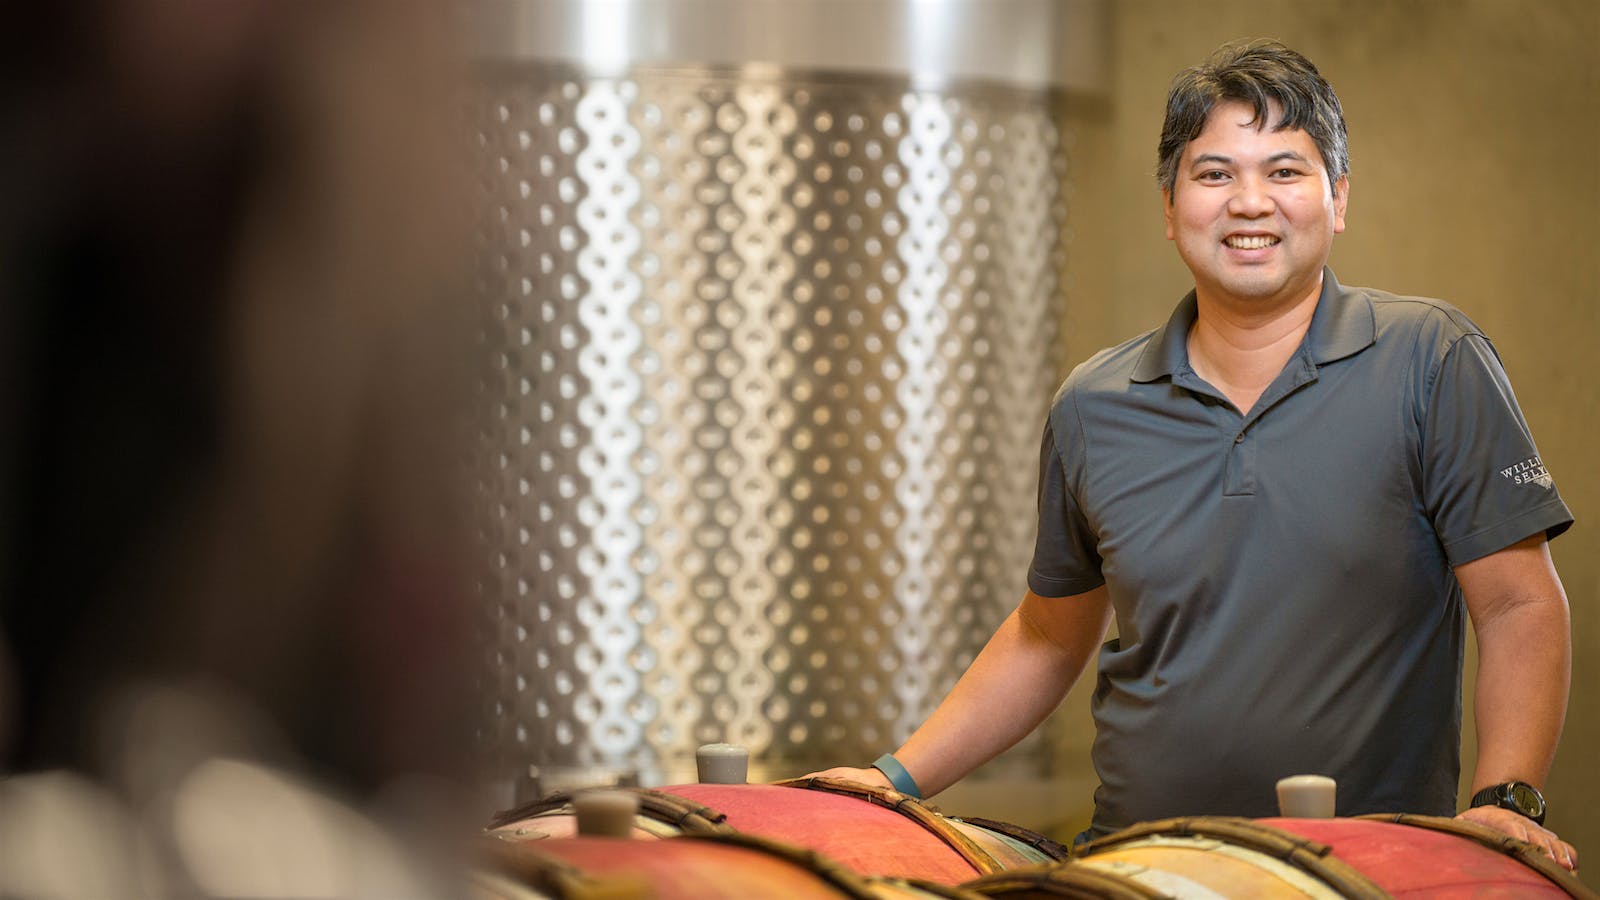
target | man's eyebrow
x=1208, y=159
x=1286, y=154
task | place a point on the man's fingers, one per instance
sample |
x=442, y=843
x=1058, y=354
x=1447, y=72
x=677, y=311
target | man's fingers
x=1563, y=853
x=1555, y=848
x=1567, y=855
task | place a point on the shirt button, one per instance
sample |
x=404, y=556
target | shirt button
x=1239, y=438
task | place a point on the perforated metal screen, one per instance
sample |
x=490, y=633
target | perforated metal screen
x=769, y=359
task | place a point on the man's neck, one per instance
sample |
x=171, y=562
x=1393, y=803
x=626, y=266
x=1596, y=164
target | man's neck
x=1239, y=348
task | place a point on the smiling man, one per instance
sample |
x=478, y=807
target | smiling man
x=1291, y=497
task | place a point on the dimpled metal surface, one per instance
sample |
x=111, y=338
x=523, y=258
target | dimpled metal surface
x=769, y=356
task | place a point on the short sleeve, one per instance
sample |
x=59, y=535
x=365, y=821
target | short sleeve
x=1065, y=561
x=1484, y=483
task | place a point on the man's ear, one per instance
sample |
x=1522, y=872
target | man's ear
x=1166, y=211
x=1341, y=199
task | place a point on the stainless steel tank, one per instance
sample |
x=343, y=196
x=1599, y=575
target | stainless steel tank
x=771, y=309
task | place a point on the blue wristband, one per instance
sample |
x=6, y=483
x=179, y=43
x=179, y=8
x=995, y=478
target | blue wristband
x=898, y=776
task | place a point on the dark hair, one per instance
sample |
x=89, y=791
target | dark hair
x=1254, y=72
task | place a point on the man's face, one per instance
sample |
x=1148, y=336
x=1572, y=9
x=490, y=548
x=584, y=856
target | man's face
x=1251, y=210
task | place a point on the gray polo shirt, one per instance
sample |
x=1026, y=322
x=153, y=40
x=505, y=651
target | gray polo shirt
x=1282, y=581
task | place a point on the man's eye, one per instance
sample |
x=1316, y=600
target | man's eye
x=1286, y=173
x=1213, y=175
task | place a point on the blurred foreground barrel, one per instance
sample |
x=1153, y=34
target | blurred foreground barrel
x=691, y=867
x=869, y=831
x=1373, y=857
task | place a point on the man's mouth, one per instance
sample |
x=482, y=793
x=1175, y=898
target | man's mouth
x=1250, y=241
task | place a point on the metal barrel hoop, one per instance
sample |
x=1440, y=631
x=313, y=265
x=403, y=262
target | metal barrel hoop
x=1064, y=879
x=1048, y=846
x=670, y=809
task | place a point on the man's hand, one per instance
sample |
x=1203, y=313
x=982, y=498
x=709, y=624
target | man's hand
x=868, y=776
x=1525, y=829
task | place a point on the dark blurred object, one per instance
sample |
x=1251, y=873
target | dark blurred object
x=231, y=383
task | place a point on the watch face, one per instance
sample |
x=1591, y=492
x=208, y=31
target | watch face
x=1527, y=799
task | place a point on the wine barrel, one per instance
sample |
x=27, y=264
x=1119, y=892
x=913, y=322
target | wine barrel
x=869, y=830
x=1371, y=857
x=687, y=867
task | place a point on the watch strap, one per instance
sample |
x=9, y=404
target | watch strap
x=1489, y=796
x=1501, y=795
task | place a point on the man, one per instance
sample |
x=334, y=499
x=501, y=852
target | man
x=1287, y=496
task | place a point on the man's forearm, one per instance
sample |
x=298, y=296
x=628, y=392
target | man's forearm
x=1017, y=680
x=1524, y=674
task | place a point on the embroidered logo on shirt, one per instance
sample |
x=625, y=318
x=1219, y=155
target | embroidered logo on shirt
x=1529, y=471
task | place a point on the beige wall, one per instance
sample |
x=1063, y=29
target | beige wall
x=1475, y=144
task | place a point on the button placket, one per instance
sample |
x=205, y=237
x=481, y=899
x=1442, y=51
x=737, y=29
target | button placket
x=1241, y=471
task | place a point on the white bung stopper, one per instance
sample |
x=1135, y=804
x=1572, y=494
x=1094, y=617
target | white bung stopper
x=605, y=813
x=1306, y=797
x=722, y=763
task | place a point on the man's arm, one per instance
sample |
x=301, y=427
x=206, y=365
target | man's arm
x=1519, y=611
x=1017, y=680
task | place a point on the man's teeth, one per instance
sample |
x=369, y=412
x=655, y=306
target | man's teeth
x=1250, y=241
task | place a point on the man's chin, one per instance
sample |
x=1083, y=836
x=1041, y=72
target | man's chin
x=1264, y=288
x=1251, y=290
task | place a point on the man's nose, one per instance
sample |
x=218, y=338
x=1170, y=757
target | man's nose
x=1251, y=198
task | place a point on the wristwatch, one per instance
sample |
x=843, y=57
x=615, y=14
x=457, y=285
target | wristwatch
x=1517, y=796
